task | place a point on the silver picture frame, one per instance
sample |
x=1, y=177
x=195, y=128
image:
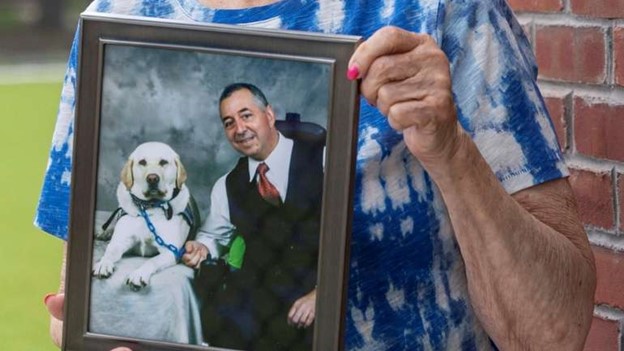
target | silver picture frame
x=143, y=80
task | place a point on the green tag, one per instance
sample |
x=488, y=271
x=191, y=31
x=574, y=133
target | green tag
x=237, y=252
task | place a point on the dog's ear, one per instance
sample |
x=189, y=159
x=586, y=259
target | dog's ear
x=126, y=174
x=181, y=174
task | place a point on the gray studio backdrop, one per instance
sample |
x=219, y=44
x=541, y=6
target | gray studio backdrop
x=171, y=96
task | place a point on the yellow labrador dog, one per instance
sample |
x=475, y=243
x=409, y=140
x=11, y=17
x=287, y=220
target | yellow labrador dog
x=157, y=213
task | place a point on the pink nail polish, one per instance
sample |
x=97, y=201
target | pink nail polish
x=47, y=297
x=353, y=72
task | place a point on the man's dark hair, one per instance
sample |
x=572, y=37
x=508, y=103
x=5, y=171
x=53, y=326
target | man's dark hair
x=261, y=100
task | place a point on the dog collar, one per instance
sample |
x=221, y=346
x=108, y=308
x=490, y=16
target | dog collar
x=144, y=205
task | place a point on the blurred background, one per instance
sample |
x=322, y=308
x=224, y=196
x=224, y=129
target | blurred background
x=35, y=36
x=37, y=30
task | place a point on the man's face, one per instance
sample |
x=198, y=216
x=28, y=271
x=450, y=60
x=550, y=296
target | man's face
x=248, y=126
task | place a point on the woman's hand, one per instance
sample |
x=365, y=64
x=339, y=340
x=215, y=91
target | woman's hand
x=407, y=77
x=55, y=303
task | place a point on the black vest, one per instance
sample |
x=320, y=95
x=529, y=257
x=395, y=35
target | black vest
x=281, y=242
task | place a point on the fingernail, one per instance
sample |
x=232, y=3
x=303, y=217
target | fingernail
x=47, y=297
x=353, y=72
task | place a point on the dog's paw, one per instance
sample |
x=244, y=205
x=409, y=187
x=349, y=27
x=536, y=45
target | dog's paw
x=137, y=280
x=103, y=269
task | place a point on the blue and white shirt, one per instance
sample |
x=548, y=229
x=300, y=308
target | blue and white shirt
x=407, y=288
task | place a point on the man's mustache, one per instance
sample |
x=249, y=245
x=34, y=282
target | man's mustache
x=244, y=136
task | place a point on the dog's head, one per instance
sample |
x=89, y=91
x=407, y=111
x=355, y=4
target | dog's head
x=153, y=171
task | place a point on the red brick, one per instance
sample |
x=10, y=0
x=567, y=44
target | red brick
x=556, y=108
x=610, y=280
x=536, y=5
x=598, y=8
x=620, y=196
x=618, y=54
x=594, y=195
x=575, y=54
x=603, y=336
x=599, y=129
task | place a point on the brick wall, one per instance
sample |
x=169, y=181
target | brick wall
x=579, y=45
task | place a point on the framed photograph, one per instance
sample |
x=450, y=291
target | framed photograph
x=211, y=188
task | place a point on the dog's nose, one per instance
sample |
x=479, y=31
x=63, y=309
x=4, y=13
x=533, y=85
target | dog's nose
x=152, y=179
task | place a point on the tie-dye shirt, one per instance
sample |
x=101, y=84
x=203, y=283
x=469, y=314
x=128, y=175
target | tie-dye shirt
x=407, y=288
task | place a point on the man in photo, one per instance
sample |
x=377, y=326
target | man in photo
x=264, y=222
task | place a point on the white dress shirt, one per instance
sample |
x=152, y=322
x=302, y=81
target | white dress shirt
x=216, y=231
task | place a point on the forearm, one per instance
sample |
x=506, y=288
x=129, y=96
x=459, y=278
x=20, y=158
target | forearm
x=531, y=285
x=530, y=274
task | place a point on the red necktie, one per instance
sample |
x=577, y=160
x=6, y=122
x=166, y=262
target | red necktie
x=267, y=190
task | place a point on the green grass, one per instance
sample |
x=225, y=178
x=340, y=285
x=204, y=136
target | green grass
x=29, y=259
x=8, y=18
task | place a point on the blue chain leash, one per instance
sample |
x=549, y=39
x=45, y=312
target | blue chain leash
x=159, y=240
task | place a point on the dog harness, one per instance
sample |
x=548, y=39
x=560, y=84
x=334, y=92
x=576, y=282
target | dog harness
x=145, y=205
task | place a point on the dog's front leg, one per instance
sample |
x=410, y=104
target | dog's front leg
x=141, y=276
x=118, y=245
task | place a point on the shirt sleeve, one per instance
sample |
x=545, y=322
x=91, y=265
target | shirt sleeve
x=52, y=214
x=216, y=232
x=495, y=89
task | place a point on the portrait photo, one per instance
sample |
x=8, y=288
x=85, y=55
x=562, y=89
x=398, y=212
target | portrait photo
x=166, y=139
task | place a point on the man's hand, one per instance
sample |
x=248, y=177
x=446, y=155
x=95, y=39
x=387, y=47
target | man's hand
x=55, y=303
x=303, y=311
x=195, y=254
x=407, y=77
